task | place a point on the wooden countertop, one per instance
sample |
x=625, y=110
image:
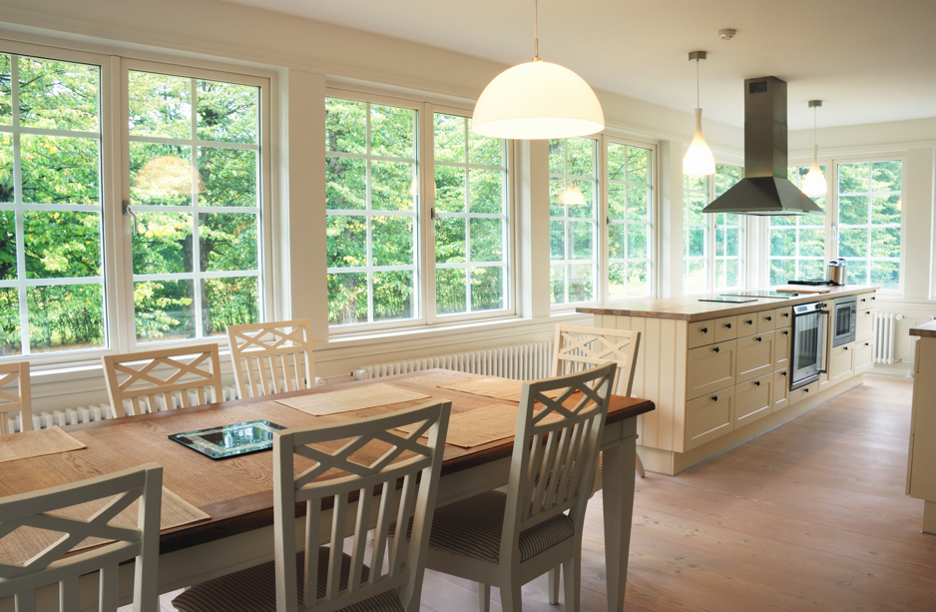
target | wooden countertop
x=927, y=330
x=689, y=308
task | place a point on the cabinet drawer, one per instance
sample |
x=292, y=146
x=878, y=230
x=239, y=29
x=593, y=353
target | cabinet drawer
x=866, y=301
x=755, y=356
x=747, y=324
x=840, y=363
x=726, y=328
x=781, y=389
x=781, y=354
x=701, y=333
x=864, y=323
x=784, y=317
x=753, y=400
x=766, y=321
x=803, y=393
x=709, y=417
x=711, y=368
x=864, y=356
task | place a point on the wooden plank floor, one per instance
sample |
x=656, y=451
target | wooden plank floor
x=809, y=516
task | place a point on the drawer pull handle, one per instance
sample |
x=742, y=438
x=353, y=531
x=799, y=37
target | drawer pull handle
x=704, y=330
x=782, y=373
x=750, y=321
x=846, y=348
x=716, y=349
x=868, y=312
x=786, y=333
x=714, y=398
x=805, y=389
x=756, y=383
x=728, y=325
x=759, y=339
x=786, y=314
x=770, y=318
x=873, y=297
x=866, y=344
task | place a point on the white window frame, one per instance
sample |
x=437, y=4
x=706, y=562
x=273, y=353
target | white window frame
x=797, y=275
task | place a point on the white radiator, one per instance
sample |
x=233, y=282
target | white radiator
x=521, y=362
x=885, y=334
x=96, y=412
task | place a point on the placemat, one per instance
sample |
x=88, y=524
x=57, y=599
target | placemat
x=479, y=426
x=355, y=398
x=494, y=386
x=26, y=542
x=36, y=443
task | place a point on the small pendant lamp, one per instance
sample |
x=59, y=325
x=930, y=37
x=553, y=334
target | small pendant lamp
x=537, y=101
x=815, y=184
x=699, y=160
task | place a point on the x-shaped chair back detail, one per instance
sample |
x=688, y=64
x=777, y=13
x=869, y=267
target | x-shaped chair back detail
x=577, y=349
x=163, y=379
x=45, y=510
x=360, y=467
x=15, y=396
x=272, y=357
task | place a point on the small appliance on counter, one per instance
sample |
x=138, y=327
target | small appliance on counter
x=835, y=272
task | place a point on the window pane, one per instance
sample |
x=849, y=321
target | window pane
x=347, y=298
x=853, y=210
x=638, y=280
x=557, y=275
x=885, y=242
x=347, y=241
x=486, y=191
x=6, y=92
x=10, y=343
x=485, y=151
x=227, y=177
x=393, y=131
x=885, y=273
x=449, y=138
x=60, y=170
x=163, y=244
x=392, y=241
x=160, y=105
x=65, y=317
x=7, y=245
x=450, y=240
x=799, y=240
x=346, y=183
x=853, y=178
x=393, y=295
x=581, y=283
x=345, y=126
x=486, y=240
x=487, y=288
x=62, y=244
x=853, y=242
x=228, y=242
x=886, y=176
x=450, y=189
x=230, y=301
x=227, y=112
x=573, y=213
x=58, y=95
x=617, y=281
x=161, y=175
x=164, y=310
x=391, y=184
x=451, y=290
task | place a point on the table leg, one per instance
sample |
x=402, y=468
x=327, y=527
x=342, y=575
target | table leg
x=618, y=497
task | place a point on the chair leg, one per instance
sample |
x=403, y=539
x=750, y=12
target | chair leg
x=640, y=467
x=554, y=585
x=572, y=577
x=511, y=598
x=484, y=597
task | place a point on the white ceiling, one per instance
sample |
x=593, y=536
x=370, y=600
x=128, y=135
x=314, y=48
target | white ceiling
x=868, y=60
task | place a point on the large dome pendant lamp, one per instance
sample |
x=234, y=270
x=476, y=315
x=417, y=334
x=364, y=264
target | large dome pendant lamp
x=815, y=184
x=699, y=160
x=537, y=101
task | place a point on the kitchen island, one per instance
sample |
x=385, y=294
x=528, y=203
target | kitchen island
x=719, y=373
x=921, y=477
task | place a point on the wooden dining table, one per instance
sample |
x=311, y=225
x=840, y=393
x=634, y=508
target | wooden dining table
x=237, y=493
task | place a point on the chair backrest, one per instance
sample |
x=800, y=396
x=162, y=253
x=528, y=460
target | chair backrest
x=272, y=357
x=39, y=510
x=165, y=379
x=19, y=401
x=373, y=458
x=555, y=451
x=577, y=349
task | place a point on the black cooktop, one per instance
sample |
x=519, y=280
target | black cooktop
x=813, y=282
x=772, y=295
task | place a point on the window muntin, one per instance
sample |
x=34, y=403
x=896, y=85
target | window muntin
x=630, y=220
x=51, y=258
x=371, y=199
x=696, y=232
x=869, y=221
x=729, y=234
x=797, y=243
x=573, y=214
x=471, y=223
x=194, y=185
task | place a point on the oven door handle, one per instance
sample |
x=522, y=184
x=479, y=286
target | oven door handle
x=822, y=342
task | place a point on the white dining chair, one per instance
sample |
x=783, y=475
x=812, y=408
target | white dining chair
x=15, y=396
x=508, y=539
x=369, y=458
x=272, y=357
x=164, y=379
x=39, y=510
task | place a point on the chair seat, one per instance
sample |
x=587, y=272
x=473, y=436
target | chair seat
x=472, y=527
x=254, y=590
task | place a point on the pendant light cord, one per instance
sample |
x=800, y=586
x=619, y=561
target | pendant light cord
x=536, y=56
x=815, y=127
x=697, y=96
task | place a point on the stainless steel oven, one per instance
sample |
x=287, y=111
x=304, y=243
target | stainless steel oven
x=808, y=341
x=844, y=319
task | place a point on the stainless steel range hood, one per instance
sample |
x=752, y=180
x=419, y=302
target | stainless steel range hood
x=765, y=189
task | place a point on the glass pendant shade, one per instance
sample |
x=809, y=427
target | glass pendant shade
x=699, y=160
x=572, y=196
x=537, y=101
x=815, y=184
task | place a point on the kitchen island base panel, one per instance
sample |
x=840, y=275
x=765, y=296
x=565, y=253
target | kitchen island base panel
x=671, y=463
x=929, y=517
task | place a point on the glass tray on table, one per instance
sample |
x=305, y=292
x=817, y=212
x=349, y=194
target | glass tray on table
x=230, y=440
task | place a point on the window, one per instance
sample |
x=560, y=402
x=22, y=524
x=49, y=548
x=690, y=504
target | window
x=195, y=189
x=630, y=220
x=869, y=220
x=713, y=247
x=797, y=243
x=51, y=259
x=573, y=214
x=371, y=194
x=470, y=213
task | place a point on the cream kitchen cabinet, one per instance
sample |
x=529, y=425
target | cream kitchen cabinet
x=921, y=460
x=711, y=368
x=755, y=356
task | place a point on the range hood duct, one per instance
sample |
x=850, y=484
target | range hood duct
x=765, y=189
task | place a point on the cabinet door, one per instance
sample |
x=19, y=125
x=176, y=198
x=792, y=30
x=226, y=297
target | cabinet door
x=784, y=317
x=701, y=333
x=864, y=323
x=766, y=321
x=781, y=353
x=840, y=363
x=864, y=356
x=781, y=389
x=755, y=356
x=747, y=324
x=709, y=417
x=726, y=328
x=753, y=400
x=710, y=368
x=804, y=393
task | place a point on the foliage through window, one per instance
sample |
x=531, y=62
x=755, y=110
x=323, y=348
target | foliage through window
x=371, y=194
x=51, y=259
x=573, y=214
x=194, y=186
x=713, y=244
x=729, y=234
x=471, y=218
x=869, y=219
x=696, y=234
x=630, y=220
x=797, y=243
